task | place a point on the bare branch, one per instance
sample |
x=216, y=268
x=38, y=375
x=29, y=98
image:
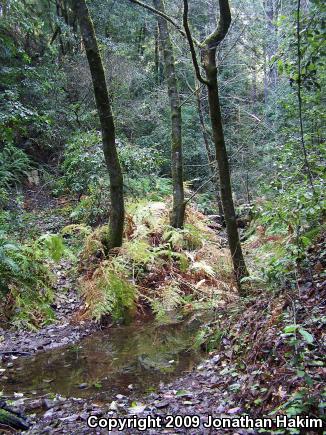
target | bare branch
x=213, y=40
x=199, y=188
x=161, y=14
x=191, y=43
x=166, y=17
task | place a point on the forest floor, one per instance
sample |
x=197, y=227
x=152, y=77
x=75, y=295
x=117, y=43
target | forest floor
x=62, y=332
x=47, y=216
x=249, y=373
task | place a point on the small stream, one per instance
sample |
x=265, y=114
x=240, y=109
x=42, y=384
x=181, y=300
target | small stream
x=120, y=360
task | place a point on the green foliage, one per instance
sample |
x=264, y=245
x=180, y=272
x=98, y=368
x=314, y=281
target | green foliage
x=190, y=238
x=25, y=280
x=168, y=269
x=141, y=166
x=107, y=293
x=85, y=174
x=92, y=209
x=52, y=246
x=169, y=300
x=206, y=202
x=312, y=47
x=302, y=401
x=13, y=117
x=33, y=108
x=83, y=165
x=47, y=109
x=139, y=252
x=14, y=167
x=94, y=243
x=292, y=219
x=209, y=338
x=293, y=206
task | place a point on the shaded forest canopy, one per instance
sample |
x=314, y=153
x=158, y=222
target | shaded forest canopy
x=169, y=157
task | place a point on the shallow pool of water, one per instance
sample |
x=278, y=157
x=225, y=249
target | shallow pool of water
x=124, y=359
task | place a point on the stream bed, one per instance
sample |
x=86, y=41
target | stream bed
x=126, y=360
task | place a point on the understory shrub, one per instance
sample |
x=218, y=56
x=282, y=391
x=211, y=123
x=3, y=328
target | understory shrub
x=26, y=283
x=14, y=167
x=85, y=175
x=284, y=228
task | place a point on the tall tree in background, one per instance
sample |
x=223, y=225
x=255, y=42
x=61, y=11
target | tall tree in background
x=106, y=120
x=178, y=208
x=299, y=94
x=208, y=47
x=208, y=51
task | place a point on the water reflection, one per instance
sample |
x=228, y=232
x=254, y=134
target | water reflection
x=106, y=363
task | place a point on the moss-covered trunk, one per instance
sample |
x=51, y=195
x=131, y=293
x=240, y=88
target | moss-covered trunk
x=223, y=166
x=106, y=120
x=208, y=47
x=210, y=154
x=178, y=208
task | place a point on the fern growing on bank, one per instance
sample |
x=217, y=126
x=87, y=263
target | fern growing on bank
x=26, y=281
x=14, y=167
x=107, y=293
x=169, y=299
x=158, y=268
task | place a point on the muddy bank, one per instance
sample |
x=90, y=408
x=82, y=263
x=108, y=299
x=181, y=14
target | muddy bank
x=50, y=337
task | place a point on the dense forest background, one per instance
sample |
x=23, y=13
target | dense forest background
x=57, y=186
x=48, y=107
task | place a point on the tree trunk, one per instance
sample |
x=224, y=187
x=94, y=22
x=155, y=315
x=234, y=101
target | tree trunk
x=223, y=165
x=107, y=123
x=208, y=47
x=271, y=9
x=178, y=208
x=159, y=74
x=210, y=155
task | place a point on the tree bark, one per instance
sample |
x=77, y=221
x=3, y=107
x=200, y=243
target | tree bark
x=223, y=165
x=209, y=46
x=116, y=222
x=178, y=208
x=210, y=154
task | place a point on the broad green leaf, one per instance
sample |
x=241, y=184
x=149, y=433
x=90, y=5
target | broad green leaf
x=306, y=335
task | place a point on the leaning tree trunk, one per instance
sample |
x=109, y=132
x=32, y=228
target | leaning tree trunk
x=178, y=208
x=210, y=155
x=106, y=120
x=208, y=47
x=223, y=166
